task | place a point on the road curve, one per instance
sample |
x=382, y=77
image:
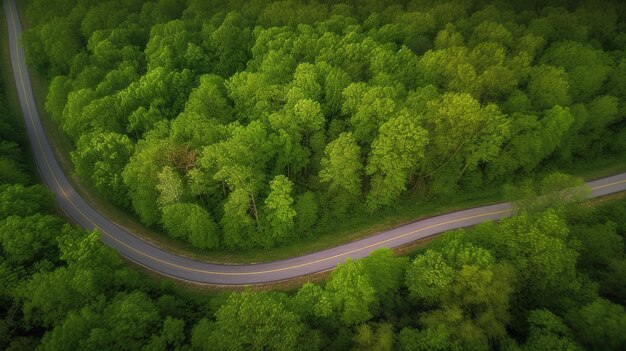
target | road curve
x=183, y=268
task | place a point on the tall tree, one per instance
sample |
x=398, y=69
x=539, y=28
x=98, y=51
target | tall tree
x=396, y=153
x=279, y=209
x=463, y=135
x=192, y=222
x=341, y=169
x=351, y=293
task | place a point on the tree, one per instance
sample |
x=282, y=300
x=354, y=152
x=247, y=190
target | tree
x=56, y=99
x=351, y=293
x=170, y=187
x=19, y=200
x=561, y=190
x=546, y=265
x=255, y=321
x=468, y=288
x=396, y=153
x=341, y=169
x=192, y=222
x=126, y=323
x=463, y=135
x=171, y=337
x=197, y=131
x=449, y=69
x=53, y=55
x=26, y=240
x=368, y=108
x=254, y=96
x=140, y=176
x=239, y=228
x=548, y=86
x=599, y=325
x=587, y=68
x=335, y=81
x=311, y=301
x=305, y=83
x=231, y=42
x=105, y=16
x=239, y=162
x=72, y=331
x=168, y=45
x=595, y=130
x=145, y=119
x=199, y=334
x=533, y=139
x=278, y=66
x=92, y=272
x=385, y=272
x=307, y=208
x=11, y=172
x=100, y=159
x=428, y=339
x=296, y=127
x=381, y=338
x=448, y=37
x=548, y=332
x=160, y=91
x=489, y=31
x=279, y=208
x=428, y=276
x=209, y=100
x=397, y=65
x=611, y=285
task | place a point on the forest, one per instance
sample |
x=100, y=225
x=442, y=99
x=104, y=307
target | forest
x=551, y=278
x=241, y=124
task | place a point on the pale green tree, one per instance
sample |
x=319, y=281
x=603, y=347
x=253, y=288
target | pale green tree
x=351, y=293
x=279, y=208
x=396, y=153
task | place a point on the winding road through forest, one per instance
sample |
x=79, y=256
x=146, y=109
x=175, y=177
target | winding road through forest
x=166, y=263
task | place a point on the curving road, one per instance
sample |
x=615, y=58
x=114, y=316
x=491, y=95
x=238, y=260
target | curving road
x=183, y=268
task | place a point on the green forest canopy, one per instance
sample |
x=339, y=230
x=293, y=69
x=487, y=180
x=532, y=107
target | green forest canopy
x=549, y=279
x=247, y=124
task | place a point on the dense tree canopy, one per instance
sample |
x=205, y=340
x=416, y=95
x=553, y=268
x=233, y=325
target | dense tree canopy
x=359, y=105
x=549, y=278
x=248, y=124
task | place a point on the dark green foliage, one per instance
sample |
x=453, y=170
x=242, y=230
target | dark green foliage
x=62, y=288
x=599, y=325
x=548, y=332
x=29, y=239
x=12, y=172
x=254, y=321
x=19, y=200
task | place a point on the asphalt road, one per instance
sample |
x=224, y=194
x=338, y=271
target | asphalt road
x=183, y=268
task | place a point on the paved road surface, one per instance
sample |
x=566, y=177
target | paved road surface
x=179, y=267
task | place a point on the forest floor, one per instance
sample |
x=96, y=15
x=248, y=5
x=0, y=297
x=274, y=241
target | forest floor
x=353, y=230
